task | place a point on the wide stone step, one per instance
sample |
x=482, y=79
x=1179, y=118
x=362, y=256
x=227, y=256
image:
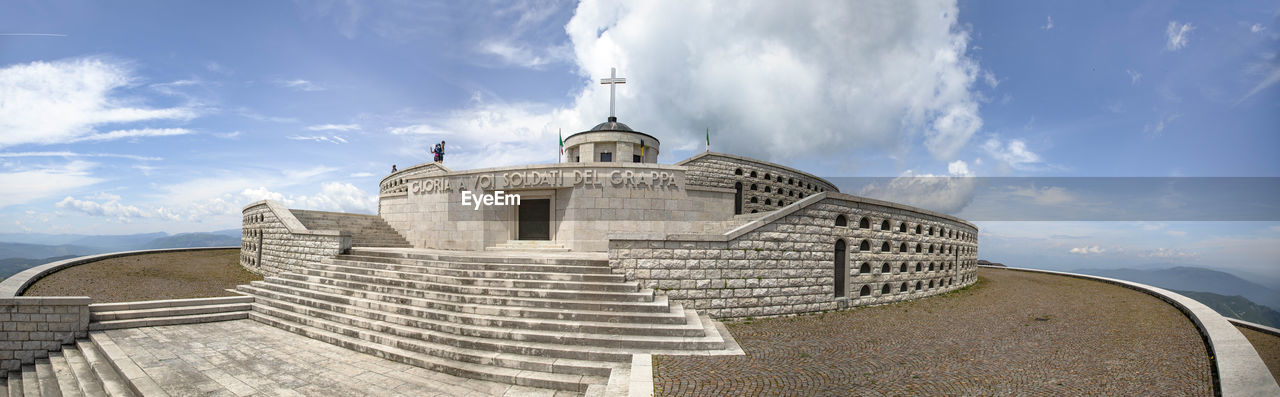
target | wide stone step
x=521, y=355
x=569, y=285
x=449, y=321
x=30, y=382
x=492, y=336
x=46, y=378
x=155, y=304
x=14, y=383
x=86, y=379
x=586, y=359
x=478, y=258
x=113, y=382
x=168, y=311
x=571, y=382
x=482, y=290
x=169, y=320
x=63, y=375
x=472, y=273
x=617, y=314
x=482, y=266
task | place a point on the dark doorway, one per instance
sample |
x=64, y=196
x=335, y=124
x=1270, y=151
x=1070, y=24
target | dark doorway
x=840, y=248
x=534, y=217
x=737, y=198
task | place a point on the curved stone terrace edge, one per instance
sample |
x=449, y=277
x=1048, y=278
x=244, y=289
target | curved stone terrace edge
x=1238, y=370
x=758, y=162
x=15, y=285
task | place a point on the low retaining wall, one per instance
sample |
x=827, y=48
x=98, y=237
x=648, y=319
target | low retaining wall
x=273, y=241
x=1237, y=368
x=788, y=261
x=33, y=326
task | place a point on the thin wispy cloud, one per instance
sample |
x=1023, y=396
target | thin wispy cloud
x=34, y=34
x=1177, y=35
x=1048, y=23
x=74, y=154
x=136, y=133
x=320, y=138
x=1134, y=76
x=300, y=85
x=334, y=127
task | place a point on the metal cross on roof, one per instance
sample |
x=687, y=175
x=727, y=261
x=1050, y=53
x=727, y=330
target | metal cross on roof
x=612, y=81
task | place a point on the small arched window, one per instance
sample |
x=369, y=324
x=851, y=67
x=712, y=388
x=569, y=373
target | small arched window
x=768, y=189
x=930, y=283
x=841, y=221
x=737, y=171
x=918, y=266
x=767, y=177
x=865, y=246
x=884, y=225
x=755, y=200
x=902, y=227
x=917, y=248
x=902, y=268
x=866, y=291
x=902, y=248
x=884, y=268
x=768, y=201
x=930, y=245
x=864, y=223
x=919, y=284
x=903, y=288
x=753, y=174
x=866, y=268
x=884, y=247
x=917, y=229
x=931, y=266
x=754, y=187
x=884, y=290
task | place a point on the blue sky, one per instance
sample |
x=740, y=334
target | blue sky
x=170, y=116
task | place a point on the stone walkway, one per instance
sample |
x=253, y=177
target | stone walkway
x=244, y=357
x=1015, y=333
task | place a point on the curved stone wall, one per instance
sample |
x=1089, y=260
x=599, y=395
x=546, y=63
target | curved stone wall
x=765, y=186
x=786, y=262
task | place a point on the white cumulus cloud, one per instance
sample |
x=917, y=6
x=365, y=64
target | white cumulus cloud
x=67, y=100
x=1014, y=153
x=772, y=80
x=942, y=193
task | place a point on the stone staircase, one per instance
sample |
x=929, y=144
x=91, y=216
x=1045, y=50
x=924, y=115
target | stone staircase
x=529, y=245
x=103, y=316
x=366, y=230
x=540, y=321
x=80, y=369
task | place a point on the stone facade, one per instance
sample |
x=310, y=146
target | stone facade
x=35, y=326
x=588, y=201
x=273, y=241
x=785, y=263
x=764, y=186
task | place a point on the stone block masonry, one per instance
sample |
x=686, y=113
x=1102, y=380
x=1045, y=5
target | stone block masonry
x=273, y=241
x=35, y=326
x=787, y=261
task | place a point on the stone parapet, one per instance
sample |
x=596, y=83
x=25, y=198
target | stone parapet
x=35, y=326
x=274, y=241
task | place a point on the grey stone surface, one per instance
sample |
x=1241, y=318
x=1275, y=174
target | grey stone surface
x=248, y=358
x=1239, y=369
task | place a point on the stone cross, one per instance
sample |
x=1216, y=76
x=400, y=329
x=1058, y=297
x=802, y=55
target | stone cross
x=612, y=81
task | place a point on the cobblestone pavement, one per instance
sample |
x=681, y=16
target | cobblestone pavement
x=1268, y=346
x=238, y=358
x=168, y=275
x=1014, y=333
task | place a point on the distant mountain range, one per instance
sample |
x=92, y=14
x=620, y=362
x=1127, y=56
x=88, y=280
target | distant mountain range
x=1189, y=278
x=20, y=251
x=1236, y=307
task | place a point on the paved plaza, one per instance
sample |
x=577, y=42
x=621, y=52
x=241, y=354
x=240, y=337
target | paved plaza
x=242, y=358
x=1015, y=333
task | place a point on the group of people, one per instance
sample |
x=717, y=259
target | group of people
x=437, y=151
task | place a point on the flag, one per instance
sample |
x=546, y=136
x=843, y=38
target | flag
x=561, y=156
x=708, y=139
